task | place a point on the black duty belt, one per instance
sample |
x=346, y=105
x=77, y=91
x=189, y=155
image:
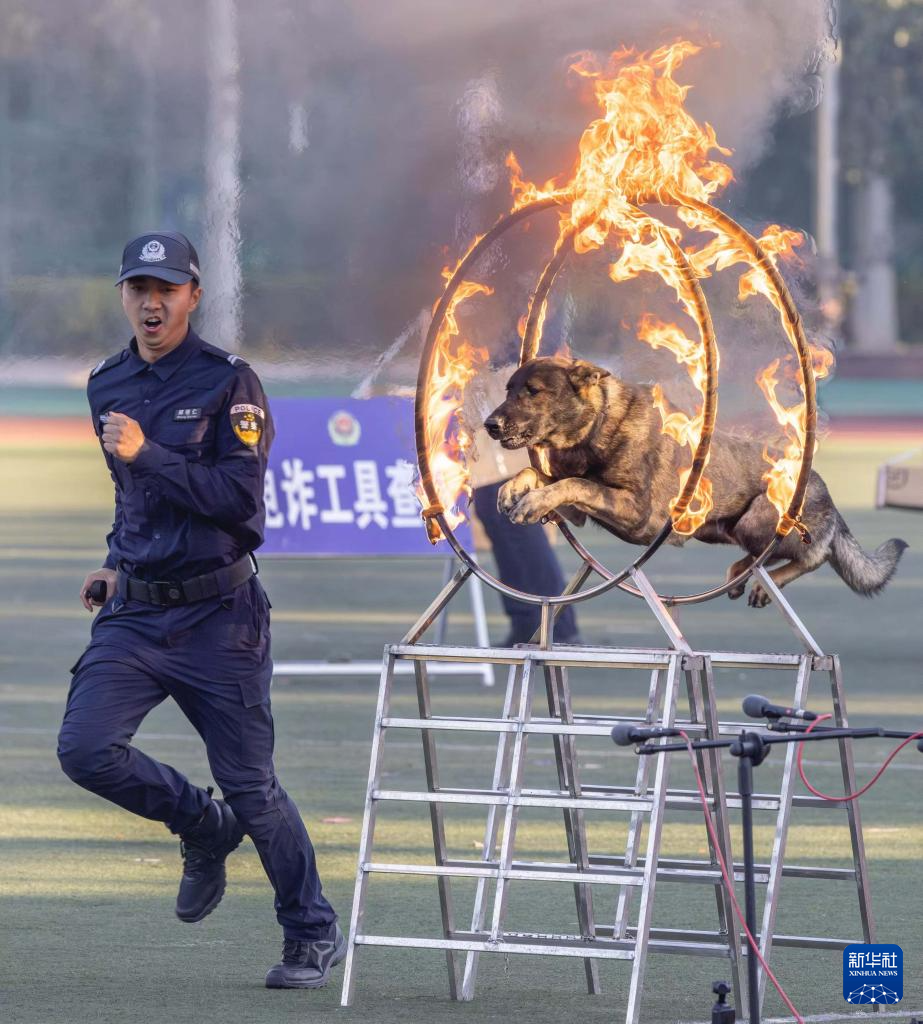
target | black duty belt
x=176, y=592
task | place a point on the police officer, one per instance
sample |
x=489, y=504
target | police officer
x=185, y=431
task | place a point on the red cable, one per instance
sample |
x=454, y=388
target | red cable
x=846, y=797
x=729, y=885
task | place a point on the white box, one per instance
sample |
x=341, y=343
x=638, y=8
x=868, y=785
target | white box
x=900, y=482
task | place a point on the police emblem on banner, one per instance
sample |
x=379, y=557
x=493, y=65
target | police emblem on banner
x=344, y=428
x=247, y=423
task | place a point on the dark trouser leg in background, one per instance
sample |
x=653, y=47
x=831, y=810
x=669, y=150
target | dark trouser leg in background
x=526, y=561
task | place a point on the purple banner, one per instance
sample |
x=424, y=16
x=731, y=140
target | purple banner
x=340, y=480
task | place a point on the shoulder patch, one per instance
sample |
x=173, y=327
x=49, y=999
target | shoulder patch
x=105, y=364
x=221, y=353
x=247, y=423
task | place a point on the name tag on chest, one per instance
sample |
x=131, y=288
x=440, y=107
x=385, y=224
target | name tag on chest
x=187, y=414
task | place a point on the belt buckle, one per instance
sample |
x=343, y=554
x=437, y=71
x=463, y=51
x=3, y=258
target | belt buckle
x=170, y=592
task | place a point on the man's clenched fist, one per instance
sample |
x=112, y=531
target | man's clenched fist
x=122, y=436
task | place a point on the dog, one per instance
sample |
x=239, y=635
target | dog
x=610, y=461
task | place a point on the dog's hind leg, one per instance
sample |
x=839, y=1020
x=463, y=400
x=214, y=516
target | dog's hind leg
x=741, y=565
x=759, y=596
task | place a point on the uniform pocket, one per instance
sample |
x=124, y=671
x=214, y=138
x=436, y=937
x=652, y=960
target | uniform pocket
x=255, y=689
x=236, y=635
x=243, y=620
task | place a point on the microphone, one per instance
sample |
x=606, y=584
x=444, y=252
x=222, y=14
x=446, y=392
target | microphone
x=756, y=706
x=624, y=734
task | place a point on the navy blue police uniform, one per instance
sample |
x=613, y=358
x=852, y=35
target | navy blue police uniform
x=189, y=619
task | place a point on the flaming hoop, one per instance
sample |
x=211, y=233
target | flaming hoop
x=646, y=150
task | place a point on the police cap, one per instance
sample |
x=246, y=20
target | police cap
x=166, y=255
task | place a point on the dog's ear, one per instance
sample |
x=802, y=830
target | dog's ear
x=584, y=375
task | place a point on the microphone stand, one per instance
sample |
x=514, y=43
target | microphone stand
x=751, y=749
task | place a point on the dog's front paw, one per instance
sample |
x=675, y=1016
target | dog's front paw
x=737, y=591
x=513, y=491
x=532, y=507
x=507, y=499
x=759, y=597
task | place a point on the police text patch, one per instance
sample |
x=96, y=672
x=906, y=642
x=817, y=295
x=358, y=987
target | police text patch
x=187, y=414
x=247, y=423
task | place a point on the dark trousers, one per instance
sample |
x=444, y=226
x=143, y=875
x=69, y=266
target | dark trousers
x=525, y=561
x=213, y=659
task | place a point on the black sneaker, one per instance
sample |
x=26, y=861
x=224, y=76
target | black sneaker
x=307, y=964
x=204, y=848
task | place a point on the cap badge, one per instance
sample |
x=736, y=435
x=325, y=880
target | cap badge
x=153, y=252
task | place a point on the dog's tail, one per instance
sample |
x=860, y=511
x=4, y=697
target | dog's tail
x=863, y=572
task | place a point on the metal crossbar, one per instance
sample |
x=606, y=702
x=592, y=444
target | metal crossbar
x=621, y=929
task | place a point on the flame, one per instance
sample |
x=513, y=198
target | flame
x=684, y=430
x=647, y=148
x=644, y=148
x=525, y=192
x=448, y=438
x=728, y=249
x=822, y=360
x=783, y=469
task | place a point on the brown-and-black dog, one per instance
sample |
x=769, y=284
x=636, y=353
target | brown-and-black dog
x=609, y=460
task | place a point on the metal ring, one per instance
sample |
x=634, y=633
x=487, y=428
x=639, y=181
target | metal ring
x=795, y=333
x=426, y=477
x=798, y=338
x=530, y=346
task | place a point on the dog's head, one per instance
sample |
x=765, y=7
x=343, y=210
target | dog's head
x=549, y=401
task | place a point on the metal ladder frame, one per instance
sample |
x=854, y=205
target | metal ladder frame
x=620, y=940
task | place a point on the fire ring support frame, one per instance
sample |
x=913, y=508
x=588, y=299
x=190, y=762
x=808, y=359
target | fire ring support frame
x=564, y=724
x=795, y=331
